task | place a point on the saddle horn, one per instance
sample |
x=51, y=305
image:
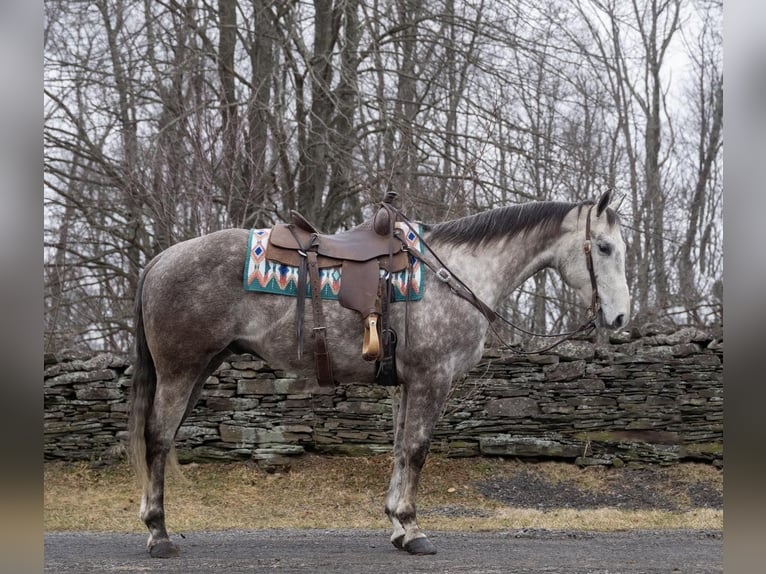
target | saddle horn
x=383, y=220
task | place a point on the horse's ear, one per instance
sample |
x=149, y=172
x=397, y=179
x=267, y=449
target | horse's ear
x=603, y=202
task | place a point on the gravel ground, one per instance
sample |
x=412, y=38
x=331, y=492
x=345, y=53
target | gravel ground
x=629, y=489
x=369, y=552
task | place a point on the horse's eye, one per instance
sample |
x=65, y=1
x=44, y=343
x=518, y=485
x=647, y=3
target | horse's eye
x=605, y=248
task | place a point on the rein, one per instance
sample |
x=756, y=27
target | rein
x=459, y=288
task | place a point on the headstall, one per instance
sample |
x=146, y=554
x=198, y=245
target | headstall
x=461, y=289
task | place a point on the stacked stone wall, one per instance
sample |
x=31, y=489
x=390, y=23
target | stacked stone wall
x=645, y=397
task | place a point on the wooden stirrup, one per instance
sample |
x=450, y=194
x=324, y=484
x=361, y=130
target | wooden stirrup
x=371, y=349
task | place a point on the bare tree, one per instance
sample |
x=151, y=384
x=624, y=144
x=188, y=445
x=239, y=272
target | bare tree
x=166, y=120
x=700, y=249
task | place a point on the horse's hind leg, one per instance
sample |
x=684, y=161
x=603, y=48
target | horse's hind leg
x=171, y=404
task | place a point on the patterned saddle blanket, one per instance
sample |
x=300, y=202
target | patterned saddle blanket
x=267, y=276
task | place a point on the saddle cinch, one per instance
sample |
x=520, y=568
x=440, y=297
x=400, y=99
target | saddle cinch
x=361, y=253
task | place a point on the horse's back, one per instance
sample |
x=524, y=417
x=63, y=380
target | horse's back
x=219, y=248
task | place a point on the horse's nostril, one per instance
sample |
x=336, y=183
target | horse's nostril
x=618, y=321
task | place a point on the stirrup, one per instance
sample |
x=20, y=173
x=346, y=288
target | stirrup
x=371, y=349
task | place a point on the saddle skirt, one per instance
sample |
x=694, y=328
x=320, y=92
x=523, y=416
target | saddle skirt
x=265, y=275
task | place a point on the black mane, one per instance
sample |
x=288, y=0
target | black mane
x=504, y=222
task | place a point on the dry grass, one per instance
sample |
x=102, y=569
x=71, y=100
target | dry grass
x=335, y=492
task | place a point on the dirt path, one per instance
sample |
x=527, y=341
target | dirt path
x=368, y=552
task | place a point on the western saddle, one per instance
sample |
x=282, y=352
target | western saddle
x=367, y=255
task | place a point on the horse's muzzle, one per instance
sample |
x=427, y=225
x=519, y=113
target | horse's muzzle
x=619, y=322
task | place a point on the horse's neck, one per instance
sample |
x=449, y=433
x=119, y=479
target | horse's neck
x=494, y=270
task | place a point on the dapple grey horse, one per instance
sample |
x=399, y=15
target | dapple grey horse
x=192, y=311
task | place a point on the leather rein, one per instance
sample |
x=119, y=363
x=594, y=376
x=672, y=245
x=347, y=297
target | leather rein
x=458, y=287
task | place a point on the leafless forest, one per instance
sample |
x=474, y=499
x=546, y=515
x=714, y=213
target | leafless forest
x=168, y=119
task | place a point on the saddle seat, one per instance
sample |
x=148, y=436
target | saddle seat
x=359, y=244
x=361, y=253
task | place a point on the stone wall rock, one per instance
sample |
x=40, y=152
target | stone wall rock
x=641, y=397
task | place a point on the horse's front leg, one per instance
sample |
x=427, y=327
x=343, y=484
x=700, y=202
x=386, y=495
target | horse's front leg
x=395, y=486
x=419, y=409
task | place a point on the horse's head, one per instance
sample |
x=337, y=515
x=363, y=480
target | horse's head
x=598, y=227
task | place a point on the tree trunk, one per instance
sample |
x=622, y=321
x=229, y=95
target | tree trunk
x=405, y=161
x=343, y=205
x=230, y=173
x=129, y=182
x=262, y=63
x=315, y=154
x=709, y=146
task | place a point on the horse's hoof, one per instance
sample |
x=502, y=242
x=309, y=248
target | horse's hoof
x=420, y=546
x=164, y=549
x=398, y=542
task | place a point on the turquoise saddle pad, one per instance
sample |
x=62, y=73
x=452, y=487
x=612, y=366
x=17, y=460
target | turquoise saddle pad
x=268, y=276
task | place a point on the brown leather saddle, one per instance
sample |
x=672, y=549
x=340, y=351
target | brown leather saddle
x=360, y=253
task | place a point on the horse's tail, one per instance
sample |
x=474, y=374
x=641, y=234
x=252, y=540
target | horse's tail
x=142, y=388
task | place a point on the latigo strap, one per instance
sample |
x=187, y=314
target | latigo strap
x=322, y=363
